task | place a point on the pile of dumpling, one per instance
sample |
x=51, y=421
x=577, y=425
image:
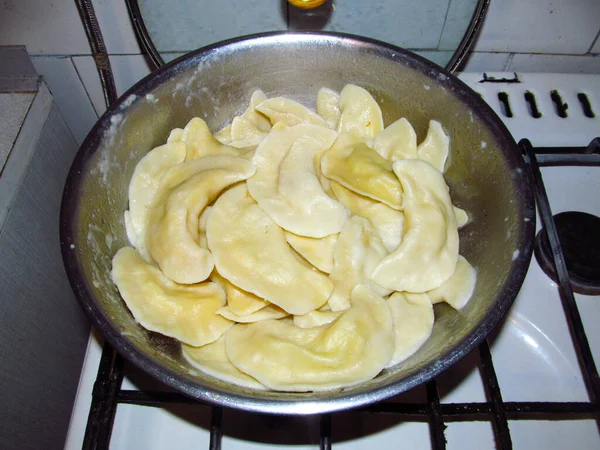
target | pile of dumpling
x=294, y=250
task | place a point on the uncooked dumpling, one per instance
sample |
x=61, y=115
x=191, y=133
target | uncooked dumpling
x=267, y=313
x=328, y=106
x=318, y=252
x=250, y=250
x=286, y=184
x=361, y=169
x=397, y=141
x=413, y=318
x=359, y=112
x=240, y=302
x=352, y=349
x=386, y=221
x=249, y=129
x=200, y=142
x=288, y=112
x=357, y=252
x=316, y=318
x=173, y=218
x=212, y=360
x=462, y=218
x=458, y=289
x=434, y=149
x=143, y=187
x=428, y=252
x=187, y=313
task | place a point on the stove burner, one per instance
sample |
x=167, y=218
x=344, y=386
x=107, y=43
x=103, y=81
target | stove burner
x=579, y=235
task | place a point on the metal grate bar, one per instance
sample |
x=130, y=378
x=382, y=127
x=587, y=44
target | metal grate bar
x=436, y=422
x=492, y=390
x=104, y=400
x=578, y=335
x=216, y=429
x=325, y=435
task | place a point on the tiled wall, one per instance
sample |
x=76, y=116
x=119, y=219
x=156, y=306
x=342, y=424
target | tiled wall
x=522, y=36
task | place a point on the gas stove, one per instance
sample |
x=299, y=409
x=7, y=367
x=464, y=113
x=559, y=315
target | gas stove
x=532, y=384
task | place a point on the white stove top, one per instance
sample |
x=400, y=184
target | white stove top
x=532, y=351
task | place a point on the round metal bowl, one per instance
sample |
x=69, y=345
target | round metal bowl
x=487, y=177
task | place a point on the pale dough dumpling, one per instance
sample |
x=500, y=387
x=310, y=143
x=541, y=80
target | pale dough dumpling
x=212, y=360
x=386, y=221
x=249, y=129
x=288, y=112
x=187, y=313
x=428, y=252
x=318, y=252
x=357, y=252
x=397, y=141
x=286, y=184
x=143, y=186
x=240, y=302
x=328, y=106
x=458, y=289
x=434, y=149
x=352, y=349
x=361, y=169
x=462, y=218
x=359, y=112
x=413, y=319
x=250, y=250
x=316, y=318
x=175, y=135
x=200, y=142
x=267, y=313
x=173, y=219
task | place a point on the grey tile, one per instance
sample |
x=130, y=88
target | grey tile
x=596, y=46
x=17, y=74
x=555, y=63
x=184, y=25
x=69, y=94
x=127, y=70
x=540, y=26
x=458, y=18
x=482, y=62
x=441, y=58
x=116, y=27
x=408, y=24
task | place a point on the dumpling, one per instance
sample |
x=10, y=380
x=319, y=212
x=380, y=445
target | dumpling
x=352, y=349
x=386, y=221
x=250, y=250
x=288, y=112
x=240, y=302
x=286, y=184
x=316, y=318
x=212, y=360
x=428, y=252
x=357, y=252
x=267, y=313
x=175, y=135
x=359, y=113
x=143, y=186
x=187, y=313
x=458, y=289
x=434, y=149
x=413, y=319
x=200, y=142
x=249, y=129
x=328, y=106
x=397, y=141
x=318, y=252
x=173, y=219
x=361, y=169
x=462, y=218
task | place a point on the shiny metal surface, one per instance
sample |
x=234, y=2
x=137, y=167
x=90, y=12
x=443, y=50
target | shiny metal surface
x=487, y=177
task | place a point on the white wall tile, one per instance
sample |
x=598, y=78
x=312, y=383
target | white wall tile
x=184, y=25
x=69, y=94
x=440, y=58
x=127, y=70
x=408, y=24
x=45, y=27
x=482, y=62
x=540, y=26
x=116, y=26
x=596, y=46
x=458, y=18
x=554, y=63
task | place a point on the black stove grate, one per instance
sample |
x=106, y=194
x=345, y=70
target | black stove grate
x=107, y=392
